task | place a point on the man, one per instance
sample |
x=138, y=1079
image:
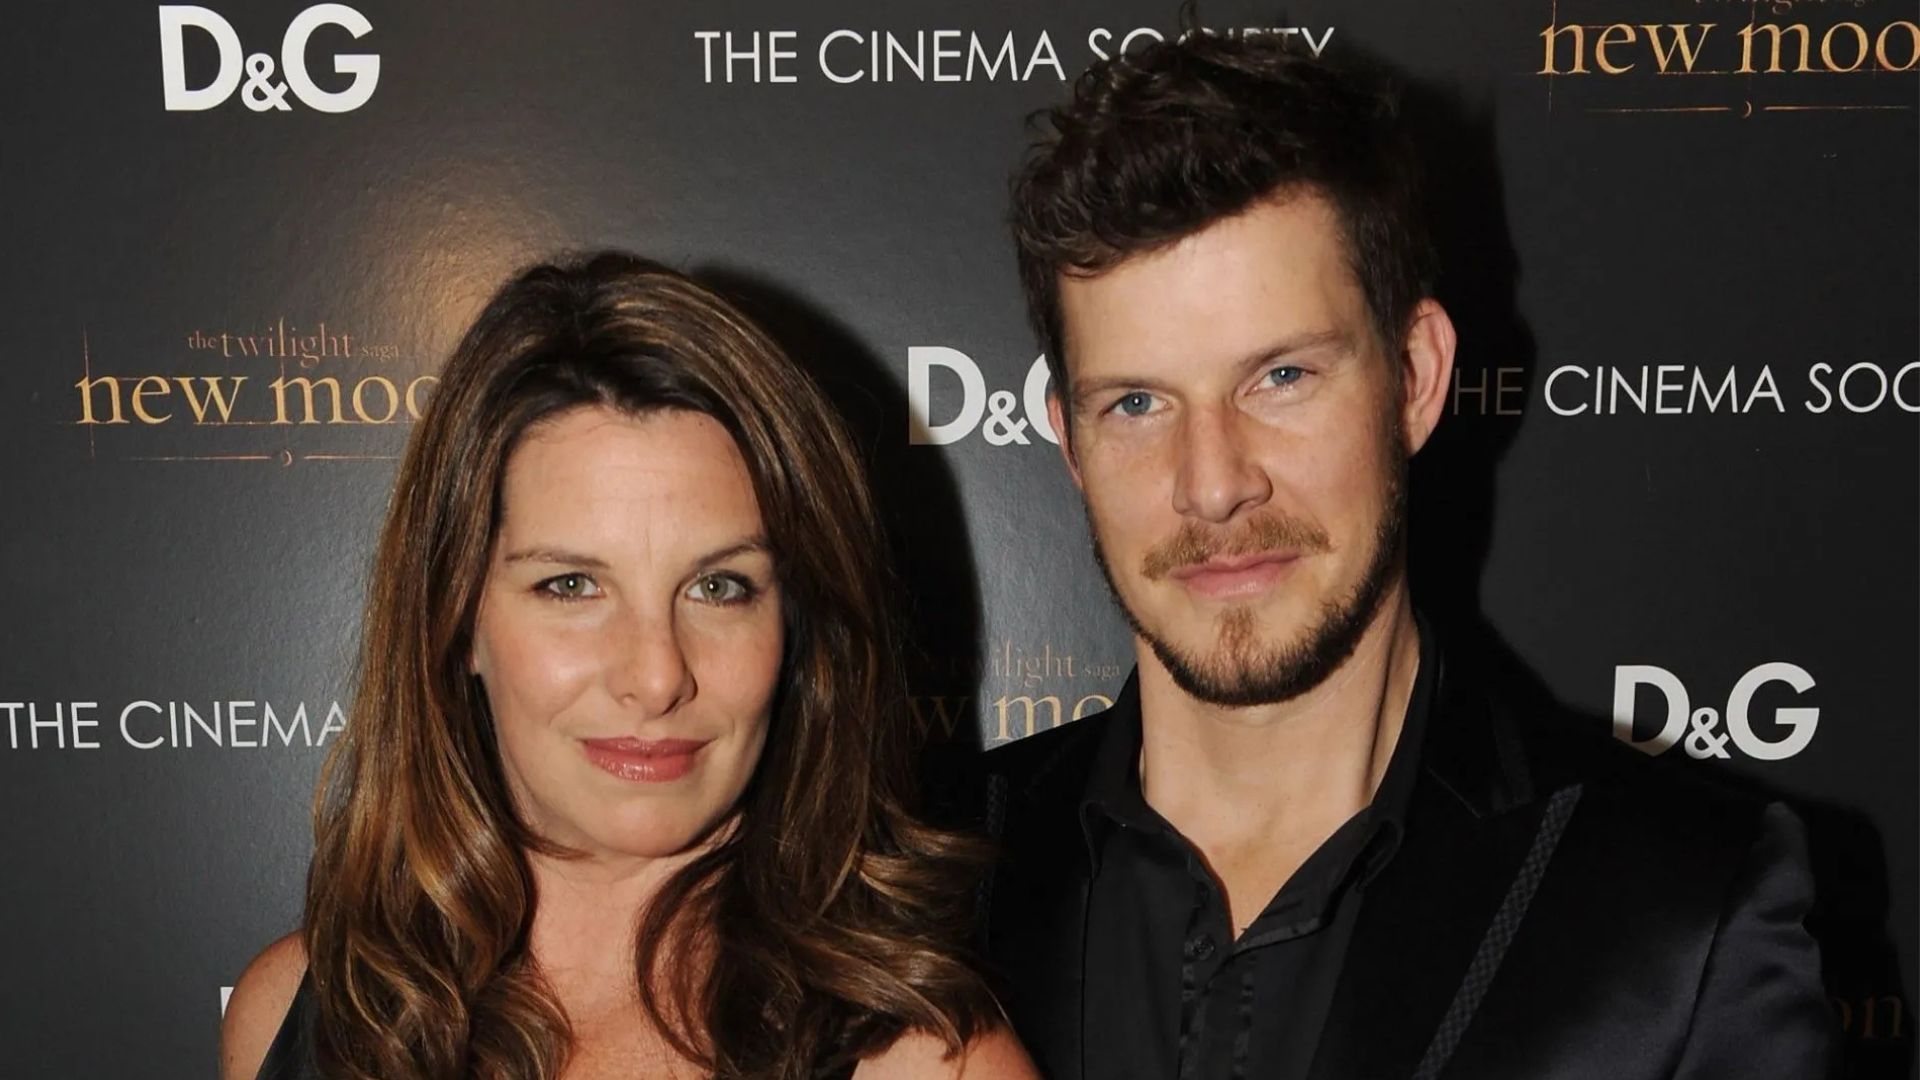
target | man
x=1306, y=841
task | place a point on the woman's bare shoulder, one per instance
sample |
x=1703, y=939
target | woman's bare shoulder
x=258, y=1005
x=994, y=1055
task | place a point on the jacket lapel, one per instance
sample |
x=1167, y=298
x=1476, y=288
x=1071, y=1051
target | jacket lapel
x=1472, y=818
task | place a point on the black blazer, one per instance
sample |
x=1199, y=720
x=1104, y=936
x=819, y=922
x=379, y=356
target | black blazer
x=1561, y=907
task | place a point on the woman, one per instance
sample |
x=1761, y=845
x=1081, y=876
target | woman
x=624, y=789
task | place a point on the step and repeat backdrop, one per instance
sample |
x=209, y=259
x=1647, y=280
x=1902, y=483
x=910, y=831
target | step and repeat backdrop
x=1678, y=491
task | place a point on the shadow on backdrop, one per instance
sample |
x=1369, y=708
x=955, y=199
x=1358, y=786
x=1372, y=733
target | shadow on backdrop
x=1453, y=498
x=919, y=502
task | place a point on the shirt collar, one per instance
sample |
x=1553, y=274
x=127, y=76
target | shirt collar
x=1114, y=797
x=1388, y=811
x=1113, y=794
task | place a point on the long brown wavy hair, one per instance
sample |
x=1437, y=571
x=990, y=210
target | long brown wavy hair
x=829, y=917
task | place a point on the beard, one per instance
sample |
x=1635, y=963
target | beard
x=1242, y=669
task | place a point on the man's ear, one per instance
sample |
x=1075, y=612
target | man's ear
x=1057, y=416
x=1426, y=371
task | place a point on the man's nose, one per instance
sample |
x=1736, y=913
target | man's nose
x=1217, y=477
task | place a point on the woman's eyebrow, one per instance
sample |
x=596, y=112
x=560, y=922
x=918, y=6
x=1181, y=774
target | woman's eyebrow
x=563, y=557
x=751, y=545
x=556, y=555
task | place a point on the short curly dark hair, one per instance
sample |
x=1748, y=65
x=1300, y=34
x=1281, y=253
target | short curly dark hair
x=1157, y=144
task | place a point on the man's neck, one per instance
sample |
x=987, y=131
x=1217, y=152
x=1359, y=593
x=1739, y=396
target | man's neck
x=1271, y=782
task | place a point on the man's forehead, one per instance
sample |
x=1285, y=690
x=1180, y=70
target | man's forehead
x=1297, y=220
x=1250, y=283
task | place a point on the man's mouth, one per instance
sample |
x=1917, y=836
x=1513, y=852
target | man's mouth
x=1235, y=577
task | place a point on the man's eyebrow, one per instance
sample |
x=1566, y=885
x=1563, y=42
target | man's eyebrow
x=1296, y=344
x=1089, y=388
x=1266, y=354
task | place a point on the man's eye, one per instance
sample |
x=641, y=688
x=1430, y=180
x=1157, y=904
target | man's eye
x=722, y=589
x=569, y=587
x=1285, y=375
x=1138, y=403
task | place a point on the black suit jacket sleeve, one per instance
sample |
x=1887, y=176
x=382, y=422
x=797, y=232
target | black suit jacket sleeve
x=1760, y=1014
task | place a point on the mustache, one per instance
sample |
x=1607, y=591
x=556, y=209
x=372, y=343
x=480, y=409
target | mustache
x=1194, y=543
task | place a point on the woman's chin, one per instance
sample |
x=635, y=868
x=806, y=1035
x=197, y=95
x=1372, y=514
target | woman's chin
x=650, y=839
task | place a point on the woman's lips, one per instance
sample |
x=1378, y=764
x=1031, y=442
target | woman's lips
x=1245, y=575
x=650, y=760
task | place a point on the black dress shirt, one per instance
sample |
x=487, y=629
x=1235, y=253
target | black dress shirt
x=1171, y=993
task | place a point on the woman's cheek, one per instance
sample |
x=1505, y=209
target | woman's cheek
x=547, y=665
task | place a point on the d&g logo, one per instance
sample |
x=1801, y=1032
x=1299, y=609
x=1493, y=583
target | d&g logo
x=992, y=413
x=262, y=92
x=1697, y=729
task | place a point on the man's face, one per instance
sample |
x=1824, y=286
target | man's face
x=1238, y=430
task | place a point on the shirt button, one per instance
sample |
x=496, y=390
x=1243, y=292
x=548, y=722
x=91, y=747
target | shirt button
x=1199, y=948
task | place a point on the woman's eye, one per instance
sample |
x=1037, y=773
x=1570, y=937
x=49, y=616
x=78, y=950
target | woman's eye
x=1284, y=375
x=1137, y=403
x=722, y=589
x=570, y=587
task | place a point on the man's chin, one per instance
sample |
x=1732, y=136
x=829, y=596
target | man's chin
x=1253, y=634
x=1259, y=654
x=1246, y=672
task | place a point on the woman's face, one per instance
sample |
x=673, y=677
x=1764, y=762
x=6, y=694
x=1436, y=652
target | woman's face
x=629, y=633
